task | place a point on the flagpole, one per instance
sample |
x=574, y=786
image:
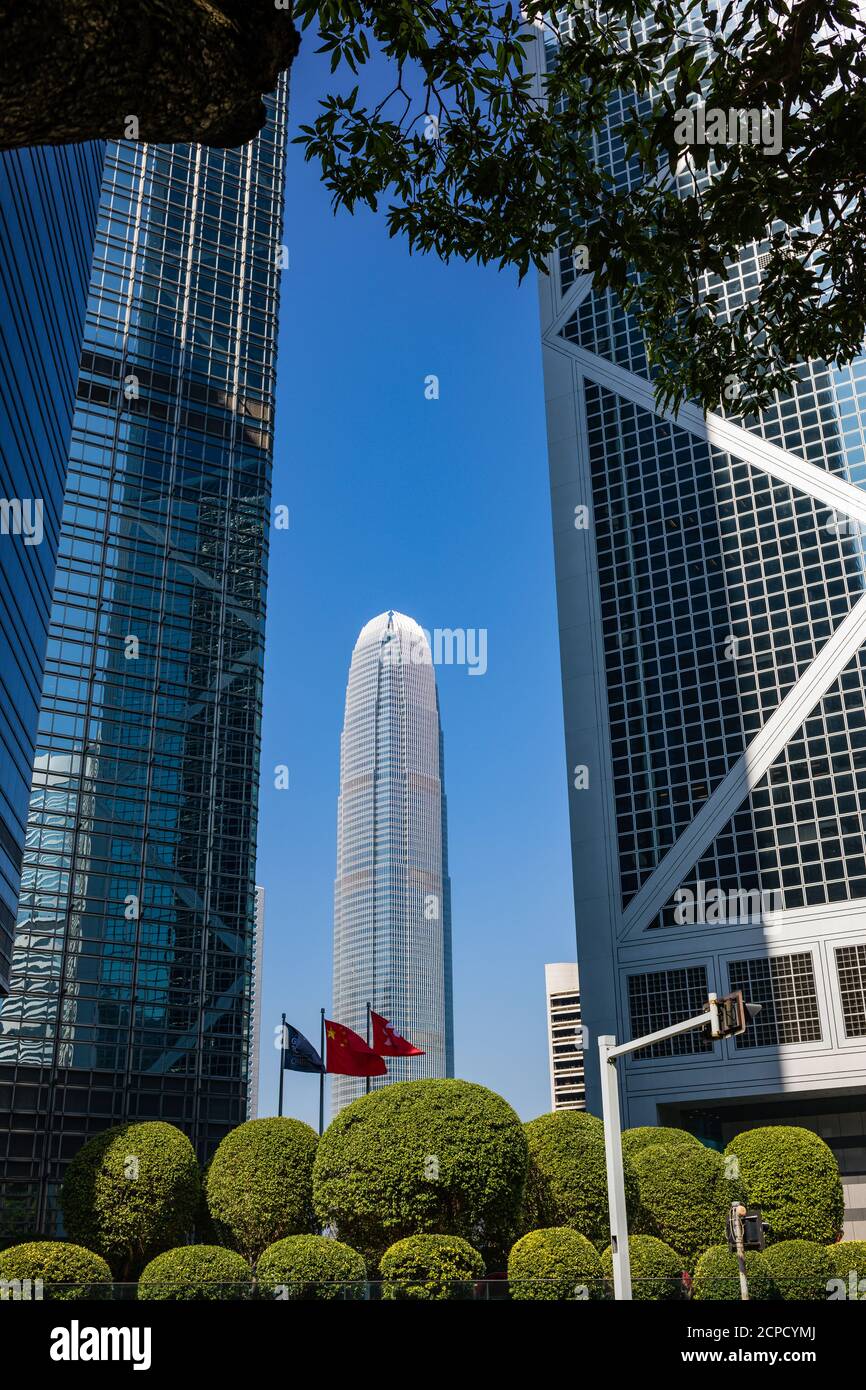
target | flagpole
x=282, y=1063
x=368, y=1040
x=322, y=1078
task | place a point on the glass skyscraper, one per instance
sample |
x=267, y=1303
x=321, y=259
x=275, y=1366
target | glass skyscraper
x=48, y=204
x=712, y=610
x=392, y=896
x=130, y=989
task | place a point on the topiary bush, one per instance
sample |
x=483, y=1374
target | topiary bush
x=656, y=1269
x=848, y=1257
x=196, y=1272
x=566, y=1183
x=422, y=1157
x=66, y=1270
x=555, y=1264
x=800, y=1269
x=311, y=1267
x=259, y=1184
x=792, y=1175
x=684, y=1196
x=633, y=1140
x=717, y=1276
x=130, y=1193
x=430, y=1267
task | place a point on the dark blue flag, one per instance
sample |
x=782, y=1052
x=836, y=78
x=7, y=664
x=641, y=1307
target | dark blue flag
x=299, y=1053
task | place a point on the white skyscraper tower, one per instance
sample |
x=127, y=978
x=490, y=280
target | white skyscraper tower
x=392, y=895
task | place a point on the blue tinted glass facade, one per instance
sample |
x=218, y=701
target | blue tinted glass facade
x=48, y=203
x=131, y=981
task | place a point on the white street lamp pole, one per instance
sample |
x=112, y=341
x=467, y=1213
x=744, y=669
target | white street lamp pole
x=609, y=1051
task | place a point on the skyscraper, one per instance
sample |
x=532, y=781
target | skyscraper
x=48, y=203
x=392, y=896
x=712, y=610
x=258, y=958
x=564, y=1036
x=130, y=991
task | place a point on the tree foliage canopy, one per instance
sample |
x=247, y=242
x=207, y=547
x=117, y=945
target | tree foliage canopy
x=566, y=1182
x=195, y=1273
x=67, y=1271
x=431, y=1157
x=312, y=1267
x=793, y=1176
x=476, y=159
x=554, y=1264
x=131, y=1192
x=259, y=1184
x=430, y=1267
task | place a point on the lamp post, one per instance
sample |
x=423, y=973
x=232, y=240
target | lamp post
x=725, y=1018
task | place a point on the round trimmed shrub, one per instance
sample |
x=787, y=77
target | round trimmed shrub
x=312, y=1267
x=196, y=1272
x=130, y=1193
x=793, y=1176
x=633, y=1140
x=66, y=1270
x=422, y=1157
x=259, y=1184
x=555, y=1264
x=656, y=1269
x=684, y=1195
x=717, y=1276
x=847, y=1257
x=566, y=1183
x=800, y=1269
x=431, y=1267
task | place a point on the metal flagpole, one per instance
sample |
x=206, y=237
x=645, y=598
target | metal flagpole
x=322, y=1078
x=368, y=1041
x=282, y=1063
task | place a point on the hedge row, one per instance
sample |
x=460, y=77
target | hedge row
x=552, y=1264
x=440, y=1159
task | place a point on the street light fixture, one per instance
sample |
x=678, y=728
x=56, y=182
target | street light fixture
x=726, y=1018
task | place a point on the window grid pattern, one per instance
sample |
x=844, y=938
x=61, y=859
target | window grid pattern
x=821, y=419
x=801, y=835
x=663, y=997
x=569, y=1090
x=718, y=588
x=784, y=986
x=851, y=969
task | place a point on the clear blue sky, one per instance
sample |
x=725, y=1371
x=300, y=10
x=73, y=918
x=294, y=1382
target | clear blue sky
x=439, y=509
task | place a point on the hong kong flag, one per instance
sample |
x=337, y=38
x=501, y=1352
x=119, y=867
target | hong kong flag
x=348, y=1055
x=387, y=1043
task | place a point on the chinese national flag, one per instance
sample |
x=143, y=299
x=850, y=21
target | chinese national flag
x=348, y=1055
x=387, y=1043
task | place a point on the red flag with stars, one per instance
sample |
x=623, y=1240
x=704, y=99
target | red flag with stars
x=387, y=1043
x=348, y=1055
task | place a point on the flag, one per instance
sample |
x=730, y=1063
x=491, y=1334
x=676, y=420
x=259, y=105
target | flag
x=387, y=1043
x=299, y=1053
x=349, y=1055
